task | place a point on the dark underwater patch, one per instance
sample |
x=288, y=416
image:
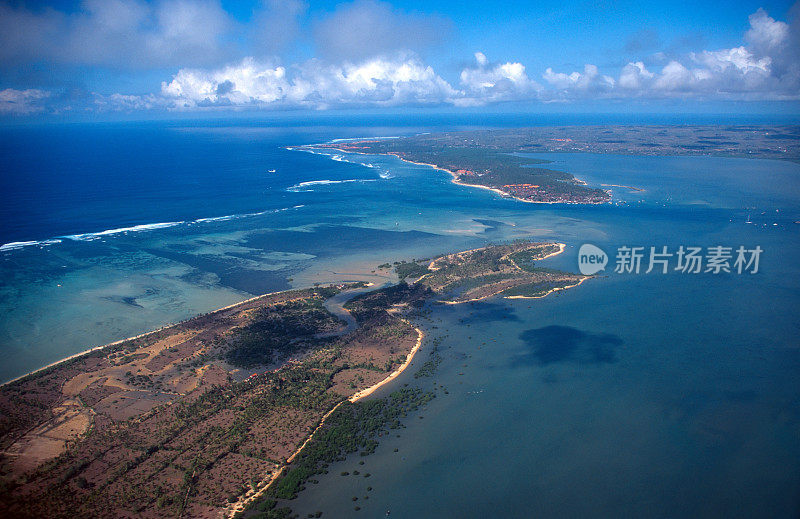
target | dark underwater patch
x=486, y=312
x=330, y=240
x=557, y=344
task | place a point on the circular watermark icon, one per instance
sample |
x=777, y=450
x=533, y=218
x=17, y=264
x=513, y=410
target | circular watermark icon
x=591, y=259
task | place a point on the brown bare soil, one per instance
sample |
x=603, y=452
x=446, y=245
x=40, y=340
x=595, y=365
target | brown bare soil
x=194, y=419
x=159, y=425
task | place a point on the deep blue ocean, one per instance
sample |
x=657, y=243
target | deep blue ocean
x=642, y=395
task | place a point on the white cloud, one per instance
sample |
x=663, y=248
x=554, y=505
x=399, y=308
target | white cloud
x=314, y=84
x=362, y=69
x=248, y=82
x=487, y=83
x=766, y=34
x=766, y=68
x=675, y=77
x=19, y=102
x=590, y=81
x=739, y=58
x=634, y=76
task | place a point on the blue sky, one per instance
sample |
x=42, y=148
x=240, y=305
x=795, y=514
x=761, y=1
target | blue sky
x=178, y=56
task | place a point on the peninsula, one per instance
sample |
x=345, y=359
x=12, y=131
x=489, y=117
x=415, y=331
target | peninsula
x=504, y=161
x=231, y=412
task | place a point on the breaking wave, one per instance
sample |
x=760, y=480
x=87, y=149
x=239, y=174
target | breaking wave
x=91, y=236
x=304, y=187
x=14, y=245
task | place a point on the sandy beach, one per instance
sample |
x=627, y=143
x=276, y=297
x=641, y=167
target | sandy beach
x=549, y=291
x=139, y=336
x=455, y=180
x=364, y=393
x=268, y=482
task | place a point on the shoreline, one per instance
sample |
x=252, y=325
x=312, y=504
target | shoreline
x=455, y=180
x=475, y=300
x=94, y=349
x=276, y=470
x=396, y=373
x=241, y=505
x=549, y=291
x=561, y=248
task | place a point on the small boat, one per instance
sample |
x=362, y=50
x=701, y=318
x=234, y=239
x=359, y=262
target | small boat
x=272, y=171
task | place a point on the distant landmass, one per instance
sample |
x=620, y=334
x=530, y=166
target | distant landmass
x=497, y=160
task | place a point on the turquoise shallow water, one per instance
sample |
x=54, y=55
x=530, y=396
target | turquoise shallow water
x=631, y=395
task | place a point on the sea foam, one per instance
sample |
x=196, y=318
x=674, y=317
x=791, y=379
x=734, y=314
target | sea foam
x=243, y=215
x=14, y=245
x=309, y=185
x=91, y=236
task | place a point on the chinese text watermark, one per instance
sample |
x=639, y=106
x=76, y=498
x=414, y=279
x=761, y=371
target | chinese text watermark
x=684, y=259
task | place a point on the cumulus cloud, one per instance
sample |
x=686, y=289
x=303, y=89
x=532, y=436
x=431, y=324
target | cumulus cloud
x=245, y=83
x=766, y=67
x=489, y=83
x=738, y=58
x=379, y=81
x=360, y=66
x=367, y=28
x=588, y=81
x=315, y=84
x=634, y=76
x=765, y=33
x=675, y=77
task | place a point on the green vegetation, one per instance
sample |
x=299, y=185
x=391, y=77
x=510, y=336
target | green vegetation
x=373, y=305
x=537, y=289
x=204, y=448
x=280, y=329
x=506, y=269
x=453, y=271
x=429, y=367
x=475, y=162
x=410, y=269
x=525, y=259
x=353, y=427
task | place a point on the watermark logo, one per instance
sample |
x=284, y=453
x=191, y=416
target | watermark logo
x=591, y=259
x=688, y=260
x=685, y=260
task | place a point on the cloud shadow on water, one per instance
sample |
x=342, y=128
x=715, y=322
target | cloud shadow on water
x=559, y=344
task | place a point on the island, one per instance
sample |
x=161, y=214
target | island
x=232, y=412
